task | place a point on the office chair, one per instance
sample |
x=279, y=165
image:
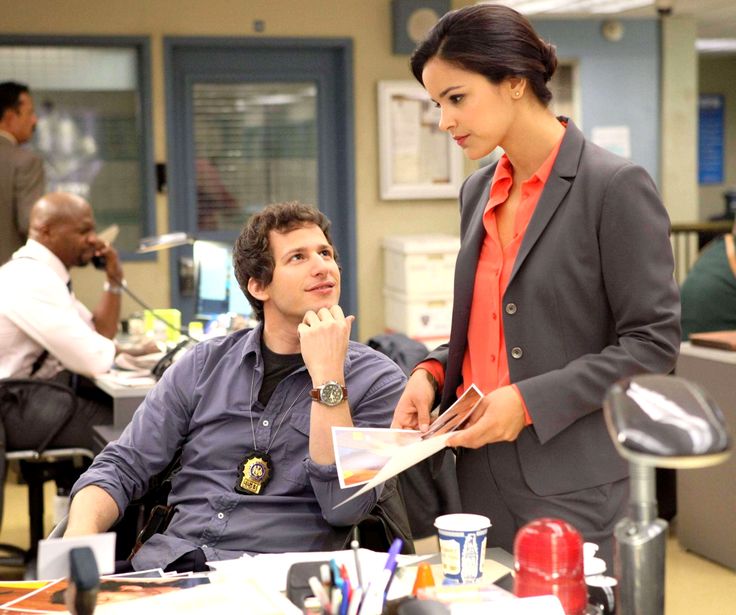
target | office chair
x=32, y=413
x=377, y=530
x=656, y=421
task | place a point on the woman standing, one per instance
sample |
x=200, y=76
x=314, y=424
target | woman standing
x=563, y=285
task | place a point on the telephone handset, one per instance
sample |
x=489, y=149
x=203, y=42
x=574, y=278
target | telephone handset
x=165, y=362
x=108, y=235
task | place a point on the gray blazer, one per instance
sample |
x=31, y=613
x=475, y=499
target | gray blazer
x=22, y=183
x=591, y=299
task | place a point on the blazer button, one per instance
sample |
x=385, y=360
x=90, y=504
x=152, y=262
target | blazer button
x=511, y=308
x=517, y=352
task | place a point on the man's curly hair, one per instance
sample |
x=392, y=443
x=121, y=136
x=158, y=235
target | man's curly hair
x=252, y=257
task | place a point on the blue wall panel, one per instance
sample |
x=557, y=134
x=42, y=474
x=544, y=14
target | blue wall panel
x=619, y=81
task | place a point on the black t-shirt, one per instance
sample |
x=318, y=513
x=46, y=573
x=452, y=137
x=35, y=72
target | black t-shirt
x=275, y=368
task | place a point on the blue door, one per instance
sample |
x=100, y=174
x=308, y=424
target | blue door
x=251, y=122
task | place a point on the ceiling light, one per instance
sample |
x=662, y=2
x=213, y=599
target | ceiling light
x=530, y=7
x=716, y=45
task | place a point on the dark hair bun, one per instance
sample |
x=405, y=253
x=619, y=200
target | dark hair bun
x=549, y=59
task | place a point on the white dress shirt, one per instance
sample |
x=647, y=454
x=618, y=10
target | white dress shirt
x=37, y=312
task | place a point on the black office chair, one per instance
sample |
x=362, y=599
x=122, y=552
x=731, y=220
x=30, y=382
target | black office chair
x=32, y=413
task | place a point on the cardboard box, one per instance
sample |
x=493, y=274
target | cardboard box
x=420, y=265
x=424, y=319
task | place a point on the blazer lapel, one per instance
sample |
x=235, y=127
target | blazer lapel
x=557, y=185
x=467, y=258
x=467, y=263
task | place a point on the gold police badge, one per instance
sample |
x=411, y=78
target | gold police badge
x=254, y=473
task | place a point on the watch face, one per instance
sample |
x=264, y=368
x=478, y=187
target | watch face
x=331, y=394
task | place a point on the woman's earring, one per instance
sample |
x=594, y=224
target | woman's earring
x=517, y=94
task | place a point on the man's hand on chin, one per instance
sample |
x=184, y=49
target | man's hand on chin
x=324, y=337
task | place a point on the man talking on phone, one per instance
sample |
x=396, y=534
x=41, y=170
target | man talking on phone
x=45, y=332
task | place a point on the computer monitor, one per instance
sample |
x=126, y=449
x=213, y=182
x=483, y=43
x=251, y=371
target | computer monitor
x=217, y=289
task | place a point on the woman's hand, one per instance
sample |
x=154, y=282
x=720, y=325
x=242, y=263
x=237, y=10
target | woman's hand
x=499, y=417
x=412, y=411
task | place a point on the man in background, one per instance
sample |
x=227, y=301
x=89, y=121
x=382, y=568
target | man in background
x=22, y=179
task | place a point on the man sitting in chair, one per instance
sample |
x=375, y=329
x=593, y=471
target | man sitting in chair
x=45, y=332
x=253, y=413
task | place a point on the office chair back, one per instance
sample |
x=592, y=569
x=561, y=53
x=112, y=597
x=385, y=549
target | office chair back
x=32, y=413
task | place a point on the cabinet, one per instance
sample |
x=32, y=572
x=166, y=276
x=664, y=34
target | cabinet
x=706, y=497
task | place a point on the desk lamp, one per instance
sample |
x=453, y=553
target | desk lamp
x=163, y=242
x=155, y=243
x=656, y=421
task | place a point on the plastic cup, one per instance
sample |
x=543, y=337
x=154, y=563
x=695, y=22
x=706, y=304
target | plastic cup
x=462, y=546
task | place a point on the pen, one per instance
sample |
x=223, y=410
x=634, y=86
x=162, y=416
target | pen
x=346, y=580
x=319, y=592
x=335, y=602
x=325, y=576
x=345, y=589
x=355, y=599
x=334, y=573
x=390, y=567
x=392, y=553
x=354, y=545
x=375, y=594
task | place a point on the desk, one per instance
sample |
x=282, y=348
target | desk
x=125, y=399
x=706, y=498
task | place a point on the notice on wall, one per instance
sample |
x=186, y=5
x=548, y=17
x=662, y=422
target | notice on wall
x=710, y=138
x=616, y=139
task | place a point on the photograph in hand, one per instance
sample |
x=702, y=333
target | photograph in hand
x=361, y=453
x=454, y=417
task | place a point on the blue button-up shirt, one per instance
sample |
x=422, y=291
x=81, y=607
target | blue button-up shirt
x=207, y=405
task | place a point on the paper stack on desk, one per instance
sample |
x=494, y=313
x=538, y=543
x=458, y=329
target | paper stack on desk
x=271, y=568
x=370, y=456
x=115, y=591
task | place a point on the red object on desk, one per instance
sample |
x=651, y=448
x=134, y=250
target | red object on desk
x=548, y=558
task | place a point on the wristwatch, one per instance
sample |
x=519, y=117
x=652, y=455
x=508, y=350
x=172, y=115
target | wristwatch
x=330, y=393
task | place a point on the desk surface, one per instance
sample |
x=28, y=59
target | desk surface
x=114, y=389
x=125, y=399
x=687, y=349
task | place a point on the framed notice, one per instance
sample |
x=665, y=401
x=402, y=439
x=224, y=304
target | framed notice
x=710, y=138
x=417, y=159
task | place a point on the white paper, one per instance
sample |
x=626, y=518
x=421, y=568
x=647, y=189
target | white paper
x=248, y=595
x=128, y=379
x=272, y=568
x=407, y=457
x=403, y=457
x=536, y=605
x=361, y=452
x=616, y=139
x=53, y=554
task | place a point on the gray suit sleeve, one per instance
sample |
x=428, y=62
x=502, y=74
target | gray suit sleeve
x=636, y=268
x=29, y=186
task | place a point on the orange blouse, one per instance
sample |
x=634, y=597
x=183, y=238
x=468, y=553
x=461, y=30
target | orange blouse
x=485, y=363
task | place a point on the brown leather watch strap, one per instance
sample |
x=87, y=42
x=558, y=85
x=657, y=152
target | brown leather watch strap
x=314, y=393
